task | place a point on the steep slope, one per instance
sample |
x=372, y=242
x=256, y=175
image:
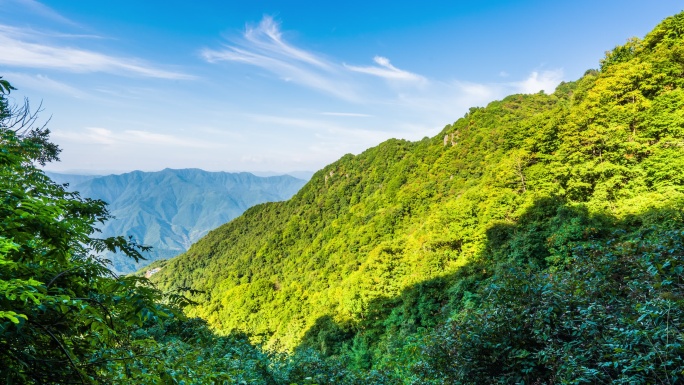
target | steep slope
x=516, y=183
x=171, y=209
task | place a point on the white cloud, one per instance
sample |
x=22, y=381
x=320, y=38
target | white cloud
x=30, y=33
x=39, y=9
x=263, y=46
x=348, y=114
x=267, y=37
x=546, y=80
x=91, y=135
x=440, y=103
x=386, y=70
x=165, y=139
x=323, y=128
x=45, y=84
x=20, y=49
x=104, y=136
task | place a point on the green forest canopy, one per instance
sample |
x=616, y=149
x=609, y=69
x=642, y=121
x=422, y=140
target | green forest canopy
x=65, y=318
x=406, y=236
x=536, y=240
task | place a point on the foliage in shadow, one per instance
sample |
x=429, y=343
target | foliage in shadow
x=565, y=295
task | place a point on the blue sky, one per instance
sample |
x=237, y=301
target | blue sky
x=286, y=85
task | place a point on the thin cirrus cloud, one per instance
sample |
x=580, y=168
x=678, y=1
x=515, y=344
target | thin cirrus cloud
x=268, y=37
x=264, y=46
x=46, y=83
x=537, y=81
x=386, y=70
x=319, y=127
x=36, y=8
x=104, y=136
x=29, y=33
x=347, y=114
x=331, y=137
x=21, y=49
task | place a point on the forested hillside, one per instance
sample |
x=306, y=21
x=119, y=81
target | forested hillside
x=170, y=209
x=64, y=317
x=538, y=239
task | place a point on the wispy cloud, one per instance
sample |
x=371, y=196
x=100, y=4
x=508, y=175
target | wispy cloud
x=45, y=84
x=24, y=48
x=441, y=102
x=268, y=37
x=31, y=33
x=322, y=127
x=537, y=81
x=420, y=105
x=348, y=114
x=104, y=136
x=39, y=9
x=386, y=70
x=263, y=46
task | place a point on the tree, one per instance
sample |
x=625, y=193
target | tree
x=64, y=316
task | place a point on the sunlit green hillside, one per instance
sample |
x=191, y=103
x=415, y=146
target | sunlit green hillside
x=521, y=182
x=538, y=240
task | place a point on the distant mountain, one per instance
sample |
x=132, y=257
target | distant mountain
x=171, y=209
x=71, y=179
x=305, y=175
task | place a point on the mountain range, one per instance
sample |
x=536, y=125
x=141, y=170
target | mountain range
x=171, y=209
x=537, y=240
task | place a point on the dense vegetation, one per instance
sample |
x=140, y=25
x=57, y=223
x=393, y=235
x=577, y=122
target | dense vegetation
x=65, y=318
x=171, y=209
x=537, y=240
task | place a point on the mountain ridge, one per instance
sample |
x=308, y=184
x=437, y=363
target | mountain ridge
x=172, y=208
x=530, y=238
x=537, y=240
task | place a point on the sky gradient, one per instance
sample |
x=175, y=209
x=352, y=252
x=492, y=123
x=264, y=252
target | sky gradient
x=286, y=85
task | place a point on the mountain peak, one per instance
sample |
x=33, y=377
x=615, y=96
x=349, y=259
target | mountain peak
x=172, y=208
